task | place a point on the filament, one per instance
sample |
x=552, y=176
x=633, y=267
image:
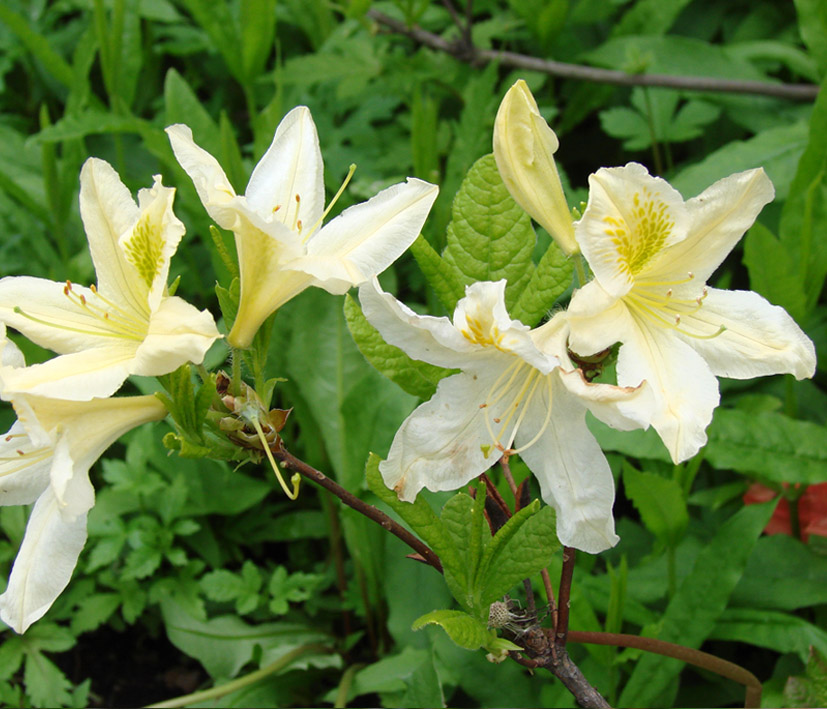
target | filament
x=335, y=199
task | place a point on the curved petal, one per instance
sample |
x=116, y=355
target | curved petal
x=44, y=564
x=178, y=333
x=291, y=166
x=423, y=337
x=684, y=390
x=622, y=407
x=596, y=319
x=759, y=338
x=66, y=318
x=97, y=372
x=212, y=185
x=574, y=475
x=24, y=467
x=150, y=244
x=718, y=218
x=108, y=211
x=443, y=443
x=367, y=238
x=630, y=219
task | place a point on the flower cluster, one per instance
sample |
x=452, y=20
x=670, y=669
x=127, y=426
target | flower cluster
x=518, y=391
x=129, y=324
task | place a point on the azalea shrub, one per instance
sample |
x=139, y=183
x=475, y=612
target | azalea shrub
x=410, y=376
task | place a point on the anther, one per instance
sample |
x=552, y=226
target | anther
x=276, y=208
x=669, y=293
x=690, y=274
x=82, y=299
x=299, y=225
x=20, y=452
x=677, y=320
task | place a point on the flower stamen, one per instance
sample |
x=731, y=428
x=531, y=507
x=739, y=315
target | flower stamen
x=333, y=201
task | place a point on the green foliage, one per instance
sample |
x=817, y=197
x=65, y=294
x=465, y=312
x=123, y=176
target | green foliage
x=180, y=548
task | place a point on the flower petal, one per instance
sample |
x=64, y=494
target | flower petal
x=423, y=337
x=684, y=390
x=150, y=244
x=44, y=564
x=80, y=376
x=759, y=338
x=291, y=166
x=574, y=475
x=440, y=445
x=597, y=320
x=630, y=219
x=213, y=187
x=265, y=284
x=52, y=317
x=178, y=333
x=366, y=238
x=108, y=212
x=718, y=218
x=24, y=467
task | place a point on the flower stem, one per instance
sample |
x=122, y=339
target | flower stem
x=225, y=689
x=580, y=269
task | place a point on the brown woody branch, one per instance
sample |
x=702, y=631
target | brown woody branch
x=693, y=657
x=465, y=51
x=290, y=462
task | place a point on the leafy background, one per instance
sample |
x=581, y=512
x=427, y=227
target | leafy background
x=197, y=574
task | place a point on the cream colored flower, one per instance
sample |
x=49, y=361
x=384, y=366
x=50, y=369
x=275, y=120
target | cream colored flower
x=517, y=393
x=282, y=245
x=45, y=459
x=651, y=254
x=125, y=325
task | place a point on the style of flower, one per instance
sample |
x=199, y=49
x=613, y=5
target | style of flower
x=524, y=148
x=125, y=325
x=517, y=393
x=651, y=254
x=282, y=246
x=45, y=459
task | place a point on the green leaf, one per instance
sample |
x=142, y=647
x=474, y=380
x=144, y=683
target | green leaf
x=424, y=522
x=408, y=679
x=809, y=690
x=181, y=105
x=490, y=237
x=551, y=278
x=464, y=629
x=812, y=24
x=781, y=632
x=773, y=272
x=777, y=150
x=93, y=611
x=459, y=518
x=783, y=574
x=768, y=444
x=258, y=26
x=415, y=377
x=46, y=685
x=521, y=548
x=91, y=122
x=804, y=216
x=39, y=45
x=660, y=503
x=700, y=600
x=445, y=278
x=223, y=645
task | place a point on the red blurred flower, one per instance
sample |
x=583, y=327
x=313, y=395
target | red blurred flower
x=812, y=509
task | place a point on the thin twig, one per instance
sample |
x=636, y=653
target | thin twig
x=689, y=655
x=552, y=606
x=561, y=629
x=290, y=462
x=795, y=92
x=509, y=478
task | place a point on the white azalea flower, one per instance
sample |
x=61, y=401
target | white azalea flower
x=282, y=246
x=524, y=148
x=127, y=324
x=517, y=393
x=651, y=254
x=45, y=459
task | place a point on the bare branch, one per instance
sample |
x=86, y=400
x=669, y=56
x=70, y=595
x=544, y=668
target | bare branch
x=686, y=654
x=794, y=92
x=290, y=462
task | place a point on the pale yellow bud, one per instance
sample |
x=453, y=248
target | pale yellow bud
x=524, y=148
